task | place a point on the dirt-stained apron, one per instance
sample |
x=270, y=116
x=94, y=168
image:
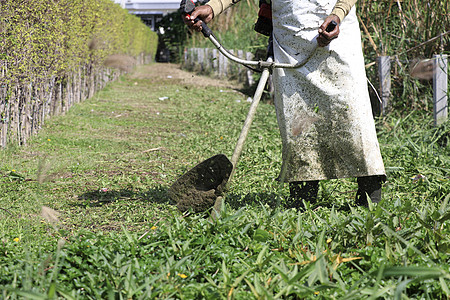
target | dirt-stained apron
x=323, y=108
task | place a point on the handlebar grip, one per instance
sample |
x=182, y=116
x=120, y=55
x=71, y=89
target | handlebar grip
x=331, y=26
x=205, y=29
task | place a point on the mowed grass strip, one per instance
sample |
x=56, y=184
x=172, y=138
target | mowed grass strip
x=109, y=161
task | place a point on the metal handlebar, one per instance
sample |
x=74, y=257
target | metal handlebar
x=260, y=63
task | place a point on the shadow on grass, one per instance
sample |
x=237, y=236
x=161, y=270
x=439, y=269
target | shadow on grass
x=274, y=200
x=157, y=195
x=237, y=200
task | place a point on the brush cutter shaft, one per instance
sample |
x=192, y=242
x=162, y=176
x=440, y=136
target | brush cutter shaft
x=250, y=116
x=200, y=187
x=244, y=132
x=231, y=56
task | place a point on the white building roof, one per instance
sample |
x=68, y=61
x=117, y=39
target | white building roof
x=150, y=6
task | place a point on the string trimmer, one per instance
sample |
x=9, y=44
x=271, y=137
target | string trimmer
x=202, y=187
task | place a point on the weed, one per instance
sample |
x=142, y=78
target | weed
x=109, y=230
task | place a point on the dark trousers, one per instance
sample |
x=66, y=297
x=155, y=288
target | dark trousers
x=307, y=190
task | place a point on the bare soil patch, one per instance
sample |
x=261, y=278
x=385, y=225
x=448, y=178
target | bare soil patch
x=173, y=73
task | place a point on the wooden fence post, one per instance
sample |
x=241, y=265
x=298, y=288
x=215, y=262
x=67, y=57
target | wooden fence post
x=440, y=88
x=207, y=61
x=250, y=80
x=384, y=75
x=223, y=65
x=215, y=61
x=191, y=59
x=200, y=58
x=240, y=54
x=232, y=68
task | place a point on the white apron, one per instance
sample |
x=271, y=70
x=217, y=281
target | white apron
x=323, y=108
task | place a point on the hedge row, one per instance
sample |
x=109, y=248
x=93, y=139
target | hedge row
x=53, y=54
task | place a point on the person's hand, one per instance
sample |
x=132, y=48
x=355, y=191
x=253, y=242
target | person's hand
x=204, y=13
x=325, y=37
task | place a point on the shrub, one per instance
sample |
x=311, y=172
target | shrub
x=46, y=46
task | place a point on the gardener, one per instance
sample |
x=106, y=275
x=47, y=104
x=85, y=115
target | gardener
x=323, y=108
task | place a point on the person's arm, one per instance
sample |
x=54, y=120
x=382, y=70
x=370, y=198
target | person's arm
x=218, y=6
x=207, y=12
x=340, y=10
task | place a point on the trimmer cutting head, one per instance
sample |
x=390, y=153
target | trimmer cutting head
x=199, y=188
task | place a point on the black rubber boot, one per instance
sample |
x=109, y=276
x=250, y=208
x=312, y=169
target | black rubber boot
x=300, y=191
x=369, y=186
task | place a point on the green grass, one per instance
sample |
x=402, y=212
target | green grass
x=104, y=169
